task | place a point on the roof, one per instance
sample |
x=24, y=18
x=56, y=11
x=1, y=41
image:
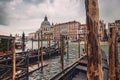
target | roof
x=6, y=37
x=70, y=22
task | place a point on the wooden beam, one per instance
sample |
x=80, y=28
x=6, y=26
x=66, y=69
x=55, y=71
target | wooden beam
x=94, y=67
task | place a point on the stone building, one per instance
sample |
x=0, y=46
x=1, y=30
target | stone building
x=115, y=24
x=82, y=31
x=72, y=30
x=102, y=31
x=68, y=29
x=32, y=36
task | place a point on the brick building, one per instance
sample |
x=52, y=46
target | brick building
x=72, y=30
x=82, y=31
x=68, y=29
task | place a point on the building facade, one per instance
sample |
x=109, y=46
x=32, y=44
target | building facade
x=68, y=29
x=47, y=30
x=82, y=32
x=72, y=31
x=115, y=24
x=102, y=31
x=32, y=36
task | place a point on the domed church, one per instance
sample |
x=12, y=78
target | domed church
x=46, y=28
x=45, y=25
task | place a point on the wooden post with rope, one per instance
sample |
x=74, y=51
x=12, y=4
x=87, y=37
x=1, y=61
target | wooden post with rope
x=94, y=66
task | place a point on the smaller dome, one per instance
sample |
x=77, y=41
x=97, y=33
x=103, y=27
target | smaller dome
x=45, y=22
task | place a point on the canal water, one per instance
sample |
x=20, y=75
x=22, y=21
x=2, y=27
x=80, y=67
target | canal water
x=54, y=65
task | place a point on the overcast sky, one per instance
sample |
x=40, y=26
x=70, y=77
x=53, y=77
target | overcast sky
x=17, y=16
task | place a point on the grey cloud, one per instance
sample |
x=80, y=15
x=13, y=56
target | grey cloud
x=3, y=12
x=34, y=1
x=5, y=0
x=51, y=1
x=109, y=10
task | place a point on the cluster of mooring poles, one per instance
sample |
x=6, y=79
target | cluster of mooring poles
x=94, y=66
x=40, y=52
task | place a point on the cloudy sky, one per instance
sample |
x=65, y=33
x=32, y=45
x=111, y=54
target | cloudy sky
x=17, y=16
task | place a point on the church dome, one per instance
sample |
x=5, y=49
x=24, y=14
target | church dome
x=45, y=22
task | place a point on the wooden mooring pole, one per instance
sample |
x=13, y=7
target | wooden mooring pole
x=27, y=62
x=41, y=52
x=62, y=51
x=85, y=40
x=14, y=61
x=32, y=43
x=38, y=49
x=94, y=66
x=113, y=54
x=67, y=47
x=23, y=41
x=58, y=47
x=78, y=45
x=49, y=45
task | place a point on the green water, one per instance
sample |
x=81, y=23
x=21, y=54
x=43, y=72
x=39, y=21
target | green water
x=105, y=48
x=54, y=66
